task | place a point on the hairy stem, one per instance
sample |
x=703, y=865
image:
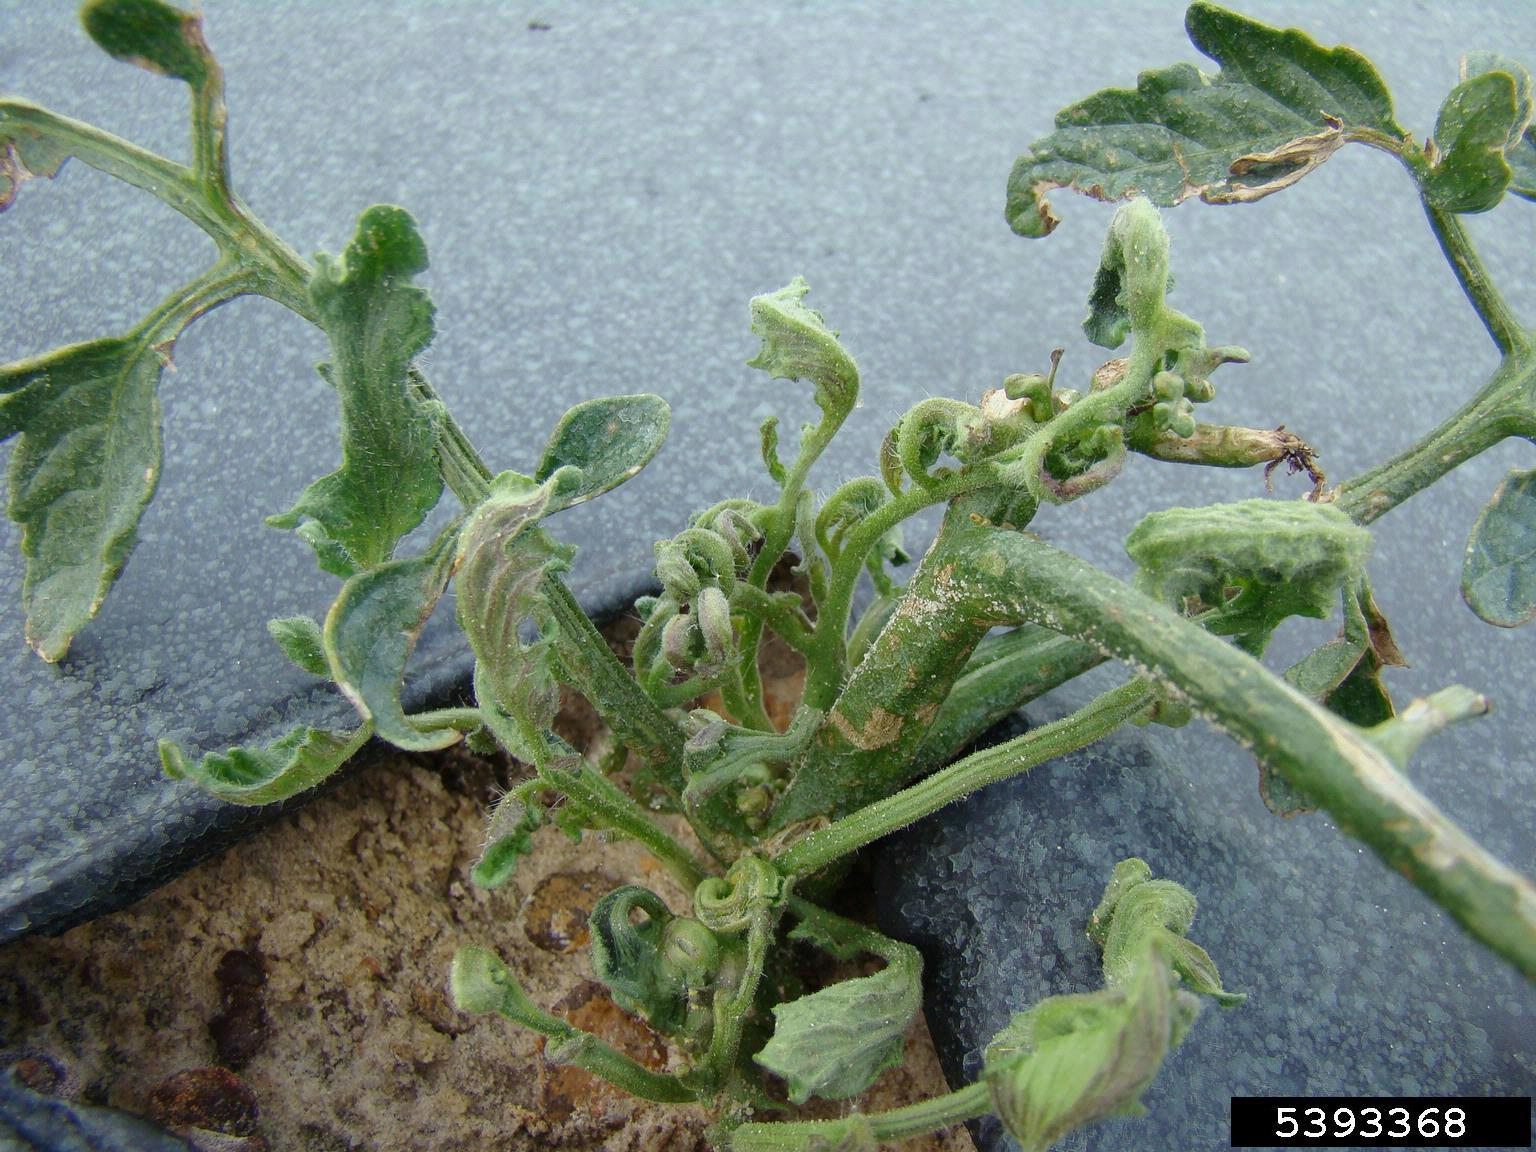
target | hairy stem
x=1005, y=672
x=1330, y=760
x=918, y=1119
x=963, y=777
x=596, y=673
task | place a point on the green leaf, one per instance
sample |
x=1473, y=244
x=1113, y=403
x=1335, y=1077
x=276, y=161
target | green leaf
x=1498, y=578
x=1075, y=1059
x=836, y=1042
x=509, y=837
x=1132, y=278
x=1282, y=559
x=377, y=323
x=1520, y=151
x=371, y=629
x=26, y=152
x=798, y=345
x=85, y=467
x=1477, y=122
x=153, y=35
x=1280, y=106
x=503, y=558
x=1137, y=910
x=301, y=640
x=664, y=967
x=290, y=765
x=609, y=440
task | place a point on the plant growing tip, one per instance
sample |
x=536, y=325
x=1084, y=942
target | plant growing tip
x=891, y=695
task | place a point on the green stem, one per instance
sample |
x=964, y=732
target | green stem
x=731, y=1010
x=1330, y=760
x=780, y=615
x=969, y=1103
x=459, y=719
x=598, y=799
x=174, y=184
x=827, y=658
x=1505, y=406
x=963, y=777
x=1004, y=673
x=1502, y=324
x=482, y=983
x=597, y=674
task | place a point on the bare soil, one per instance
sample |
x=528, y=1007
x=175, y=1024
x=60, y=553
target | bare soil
x=292, y=992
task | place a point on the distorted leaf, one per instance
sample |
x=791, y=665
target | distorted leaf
x=509, y=835
x=83, y=470
x=798, y=345
x=835, y=1042
x=1520, y=151
x=260, y=775
x=377, y=322
x=658, y=967
x=1137, y=910
x=1132, y=277
x=503, y=558
x=609, y=440
x=372, y=628
x=301, y=640
x=1258, y=561
x=27, y=151
x=1477, y=122
x=1279, y=107
x=1075, y=1059
x=1498, y=578
x=153, y=35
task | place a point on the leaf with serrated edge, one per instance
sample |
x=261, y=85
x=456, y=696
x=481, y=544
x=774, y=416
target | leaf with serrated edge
x=1281, y=105
x=1498, y=579
x=609, y=440
x=371, y=629
x=1476, y=123
x=377, y=323
x=290, y=765
x=835, y=1042
x=82, y=472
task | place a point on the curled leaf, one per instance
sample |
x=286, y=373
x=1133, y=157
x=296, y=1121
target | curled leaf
x=289, y=765
x=1279, y=107
x=1074, y=1059
x=661, y=967
x=798, y=345
x=509, y=836
x=1259, y=561
x=1498, y=577
x=1520, y=152
x=372, y=628
x=503, y=558
x=835, y=1043
x=1132, y=277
